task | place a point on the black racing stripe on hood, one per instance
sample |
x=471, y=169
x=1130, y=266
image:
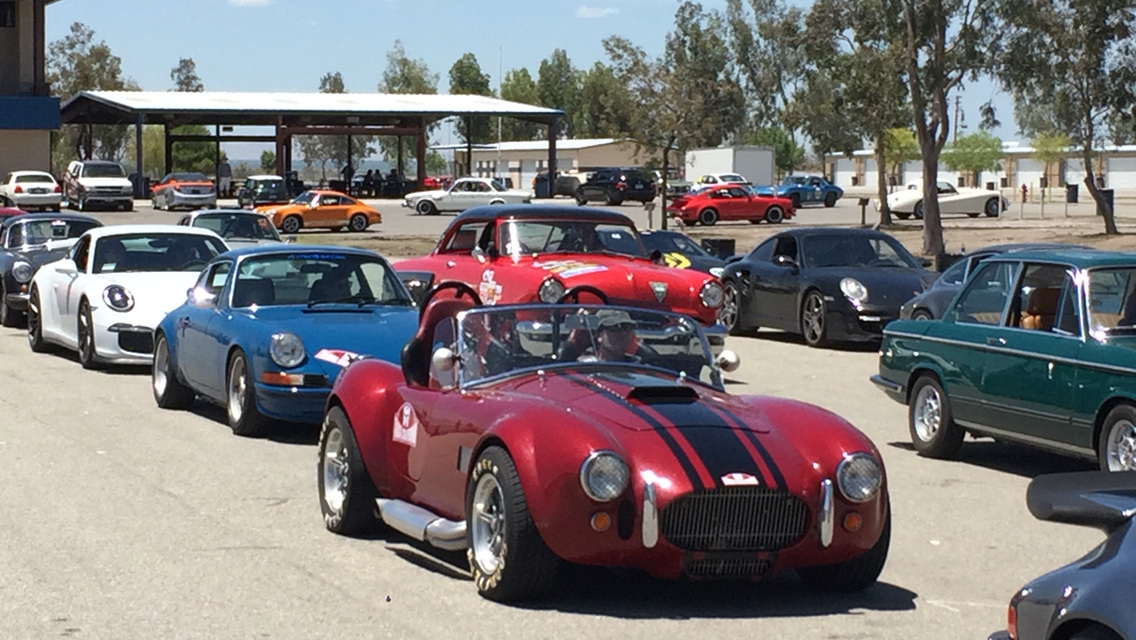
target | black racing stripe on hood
x=778, y=477
x=718, y=446
x=667, y=438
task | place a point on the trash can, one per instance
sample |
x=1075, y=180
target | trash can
x=1106, y=197
x=1071, y=193
x=540, y=186
x=720, y=247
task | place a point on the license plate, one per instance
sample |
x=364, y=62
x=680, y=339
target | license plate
x=37, y=190
x=638, y=185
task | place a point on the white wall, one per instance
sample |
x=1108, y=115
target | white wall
x=1028, y=173
x=1121, y=173
x=844, y=169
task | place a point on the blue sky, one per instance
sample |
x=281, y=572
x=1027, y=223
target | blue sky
x=287, y=45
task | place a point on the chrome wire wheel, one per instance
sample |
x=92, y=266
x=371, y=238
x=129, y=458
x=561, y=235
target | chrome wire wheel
x=488, y=543
x=336, y=470
x=1121, y=446
x=238, y=389
x=812, y=319
x=928, y=415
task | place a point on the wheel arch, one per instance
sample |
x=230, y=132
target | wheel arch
x=923, y=369
x=1102, y=412
x=1068, y=628
x=364, y=391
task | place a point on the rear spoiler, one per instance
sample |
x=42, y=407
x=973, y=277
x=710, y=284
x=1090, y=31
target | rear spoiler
x=1097, y=499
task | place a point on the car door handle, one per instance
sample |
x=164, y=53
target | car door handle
x=1001, y=342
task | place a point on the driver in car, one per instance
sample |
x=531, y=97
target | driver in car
x=614, y=336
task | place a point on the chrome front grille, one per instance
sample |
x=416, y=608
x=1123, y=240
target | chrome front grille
x=734, y=519
x=727, y=565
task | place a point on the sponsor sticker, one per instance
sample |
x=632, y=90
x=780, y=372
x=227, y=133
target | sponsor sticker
x=570, y=268
x=676, y=260
x=405, y=425
x=490, y=289
x=739, y=479
x=337, y=356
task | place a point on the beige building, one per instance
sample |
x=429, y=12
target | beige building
x=28, y=113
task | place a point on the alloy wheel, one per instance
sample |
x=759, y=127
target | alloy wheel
x=336, y=470
x=238, y=389
x=488, y=543
x=812, y=319
x=928, y=413
x=1121, y=447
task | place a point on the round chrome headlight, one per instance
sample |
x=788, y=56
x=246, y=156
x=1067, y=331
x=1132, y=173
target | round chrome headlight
x=286, y=349
x=604, y=476
x=712, y=295
x=859, y=477
x=118, y=298
x=22, y=272
x=550, y=290
x=854, y=289
x=717, y=271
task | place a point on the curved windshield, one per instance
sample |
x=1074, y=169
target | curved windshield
x=523, y=237
x=155, y=252
x=855, y=250
x=791, y=180
x=244, y=226
x=306, y=197
x=35, y=232
x=103, y=171
x=498, y=341
x=667, y=243
x=1112, y=301
x=317, y=279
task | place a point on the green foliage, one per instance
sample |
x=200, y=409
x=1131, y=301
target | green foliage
x=605, y=105
x=817, y=110
x=975, y=152
x=185, y=76
x=787, y=153
x=766, y=38
x=268, y=161
x=332, y=149
x=436, y=163
x=558, y=87
x=1050, y=147
x=518, y=86
x=405, y=75
x=153, y=152
x=466, y=78
x=899, y=146
x=77, y=63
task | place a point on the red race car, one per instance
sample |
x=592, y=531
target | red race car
x=729, y=202
x=531, y=435
x=530, y=253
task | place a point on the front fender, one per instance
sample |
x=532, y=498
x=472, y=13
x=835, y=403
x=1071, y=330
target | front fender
x=367, y=391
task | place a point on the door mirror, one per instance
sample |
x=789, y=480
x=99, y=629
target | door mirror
x=200, y=298
x=728, y=361
x=444, y=359
x=480, y=254
x=66, y=267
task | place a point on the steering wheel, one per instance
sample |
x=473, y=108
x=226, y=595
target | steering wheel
x=573, y=294
x=460, y=288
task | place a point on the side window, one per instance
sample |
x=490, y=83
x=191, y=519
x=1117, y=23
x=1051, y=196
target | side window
x=984, y=298
x=1069, y=316
x=465, y=238
x=955, y=274
x=786, y=246
x=214, y=280
x=15, y=236
x=1038, y=297
x=81, y=252
x=763, y=252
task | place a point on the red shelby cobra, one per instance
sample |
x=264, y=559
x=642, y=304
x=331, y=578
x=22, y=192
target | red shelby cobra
x=730, y=202
x=530, y=435
x=532, y=253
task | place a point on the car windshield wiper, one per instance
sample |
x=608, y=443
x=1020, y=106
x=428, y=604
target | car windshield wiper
x=362, y=301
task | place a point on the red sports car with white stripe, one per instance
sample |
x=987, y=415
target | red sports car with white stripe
x=530, y=435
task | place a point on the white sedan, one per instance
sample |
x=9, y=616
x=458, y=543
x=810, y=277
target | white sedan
x=29, y=190
x=973, y=202
x=114, y=286
x=711, y=179
x=463, y=194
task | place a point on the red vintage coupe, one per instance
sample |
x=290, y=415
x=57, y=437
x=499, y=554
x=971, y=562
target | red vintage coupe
x=531, y=435
x=533, y=253
x=727, y=202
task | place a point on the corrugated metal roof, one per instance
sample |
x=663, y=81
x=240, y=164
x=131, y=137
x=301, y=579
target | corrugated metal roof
x=293, y=103
x=531, y=145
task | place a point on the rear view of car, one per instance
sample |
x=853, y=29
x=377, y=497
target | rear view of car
x=29, y=190
x=614, y=186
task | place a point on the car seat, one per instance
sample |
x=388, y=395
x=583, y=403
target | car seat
x=250, y=291
x=1041, y=309
x=416, y=353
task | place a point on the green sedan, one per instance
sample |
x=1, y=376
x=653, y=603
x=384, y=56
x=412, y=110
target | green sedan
x=1039, y=347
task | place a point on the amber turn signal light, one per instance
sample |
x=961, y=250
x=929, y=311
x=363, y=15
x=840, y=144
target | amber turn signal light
x=601, y=522
x=852, y=521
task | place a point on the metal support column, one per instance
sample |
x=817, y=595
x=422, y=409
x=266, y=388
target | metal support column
x=468, y=146
x=552, y=157
x=169, y=145
x=401, y=166
x=217, y=152
x=138, y=192
x=279, y=147
x=420, y=152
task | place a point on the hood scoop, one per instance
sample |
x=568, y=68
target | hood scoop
x=663, y=394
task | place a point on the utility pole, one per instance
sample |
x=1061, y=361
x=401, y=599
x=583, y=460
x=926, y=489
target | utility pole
x=500, y=84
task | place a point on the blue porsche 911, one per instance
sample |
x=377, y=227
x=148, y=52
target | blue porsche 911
x=265, y=331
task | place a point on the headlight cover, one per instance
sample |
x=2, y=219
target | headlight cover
x=712, y=295
x=854, y=289
x=118, y=298
x=22, y=272
x=859, y=477
x=551, y=290
x=604, y=476
x=286, y=349
x=717, y=271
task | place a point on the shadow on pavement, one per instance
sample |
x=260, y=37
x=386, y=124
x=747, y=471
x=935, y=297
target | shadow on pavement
x=792, y=338
x=1010, y=457
x=281, y=432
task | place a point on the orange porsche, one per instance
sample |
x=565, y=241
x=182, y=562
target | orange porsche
x=321, y=210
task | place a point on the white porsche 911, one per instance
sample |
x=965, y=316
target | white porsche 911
x=115, y=285
x=973, y=202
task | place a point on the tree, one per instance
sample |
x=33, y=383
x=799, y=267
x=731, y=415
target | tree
x=153, y=151
x=766, y=42
x=518, y=86
x=323, y=149
x=267, y=161
x=817, y=110
x=686, y=98
x=405, y=75
x=77, y=63
x=466, y=78
x=976, y=152
x=1049, y=148
x=945, y=42
x=605, y=107
x=899, y=146
x=1073, y=63
x=558, y=87
x=185, y=76
x=787, y=154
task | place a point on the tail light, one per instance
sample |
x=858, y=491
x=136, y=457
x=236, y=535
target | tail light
x=1012, y=622
x=58, y=189
x=18, y=189
x=621, y=185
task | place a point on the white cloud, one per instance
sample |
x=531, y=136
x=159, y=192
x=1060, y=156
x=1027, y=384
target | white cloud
x=251, y=3
x=595, y=12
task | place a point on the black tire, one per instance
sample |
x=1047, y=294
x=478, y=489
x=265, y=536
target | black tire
x=814, y=320
x=9, y=317
x=774, y=215
x=830, y=200
x=349, y=510
x=55, y=208
x=82, y=206
x=580, y=199
x=169, y=391
x=972, y=215
x=930, y=423
x=856, y=574
x=1095, y=632
x=35, y=326
x=902, y=215
x=358, y=223
x=524, y=567
x=426, y=207
x=921, y=314
x=708, y=217
x=85, y=334
x=240, y=405
x=128, y=206
x=609, y=200
x=796, y=200
x=1121, y=419
x=919, y=210
x=291, y=224
x=993, y=208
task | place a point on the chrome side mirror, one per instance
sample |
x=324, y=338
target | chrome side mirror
x=444, y=359
x=728, y=361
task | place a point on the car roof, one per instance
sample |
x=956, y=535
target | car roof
x=1080, y=258
x=1028, y=246
x=75, y=217
x=822, y=231
x=268, y=249
x=29, y=172
x=98, y=162
x=222, y=211
x=131, y=229
x=537, y=212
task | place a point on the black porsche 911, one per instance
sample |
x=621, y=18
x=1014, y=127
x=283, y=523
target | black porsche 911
x=26, y=243
x=824, y=283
